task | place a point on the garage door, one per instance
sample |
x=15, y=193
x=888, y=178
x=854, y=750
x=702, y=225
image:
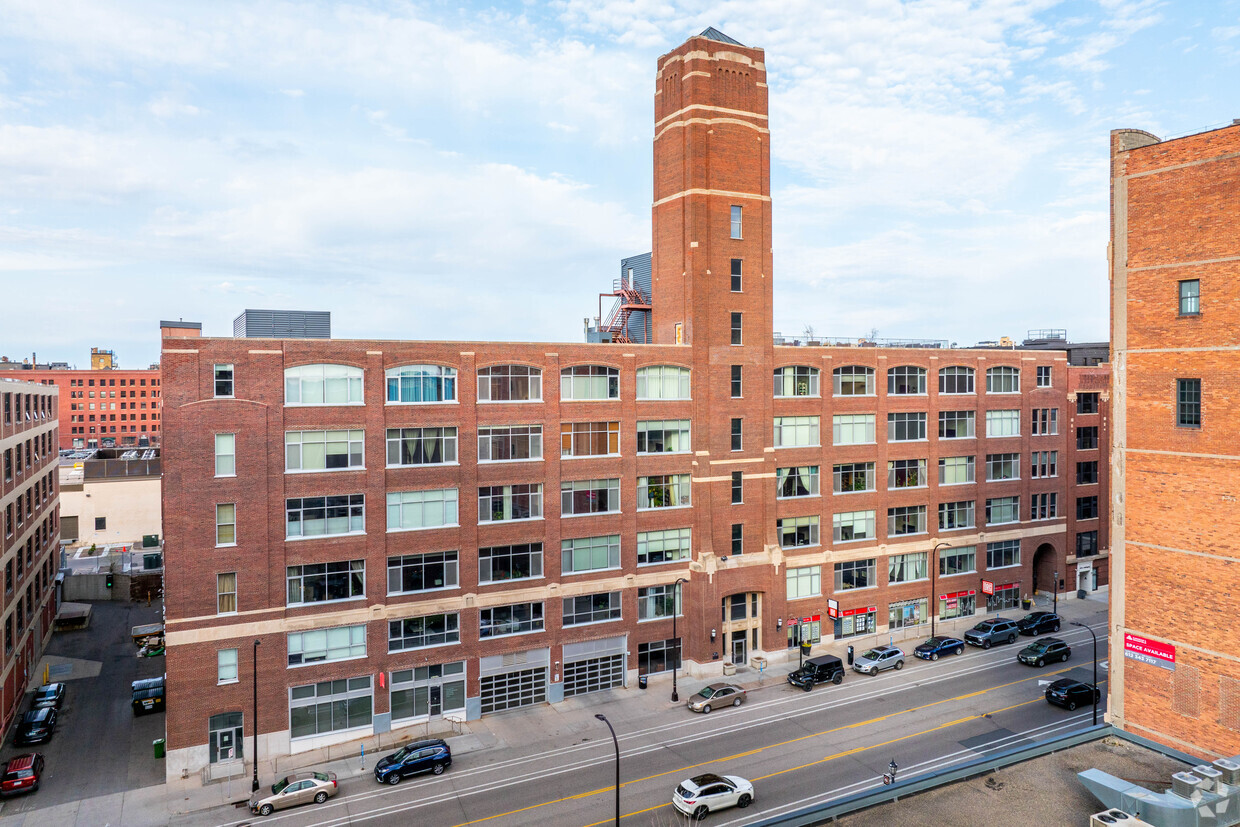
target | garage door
x=512, y=690
x=593, y=674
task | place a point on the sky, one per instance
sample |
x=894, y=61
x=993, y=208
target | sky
x=455, y=170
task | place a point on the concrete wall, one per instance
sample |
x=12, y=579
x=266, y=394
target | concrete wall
x=130, y=506
x=79, y=587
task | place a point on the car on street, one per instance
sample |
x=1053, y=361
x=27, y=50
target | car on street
x=36, y=726
x=1038, y=623
x=715, y=696
x=1070, y=694
x=1045, y=650
x=22, y=774
x=298, y=788
x=432, y=755
x=992, y=630
x=873, y=661
x=52, y=694
x=817, y=670
x=936, y=646
x=703, y=794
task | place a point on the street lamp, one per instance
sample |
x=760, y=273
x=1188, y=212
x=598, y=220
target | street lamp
x=1096, y=692
x=1055, y=589
x=675, y=611
x=934, y=570
x=615, y=741
x=254, y=786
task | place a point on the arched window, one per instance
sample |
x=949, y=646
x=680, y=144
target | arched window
x=421, y=383
x=853, y=380
x=797, y=380
x=509, y=383
x=906, y=380
x=956, y=379
x=663, y=382
x=323, y=385
x=1002, y=379
x=589, y=382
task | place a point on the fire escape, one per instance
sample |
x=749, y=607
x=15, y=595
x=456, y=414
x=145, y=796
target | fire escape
x=628, y=300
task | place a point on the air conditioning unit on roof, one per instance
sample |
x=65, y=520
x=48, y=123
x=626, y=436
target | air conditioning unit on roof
x=1116, y=818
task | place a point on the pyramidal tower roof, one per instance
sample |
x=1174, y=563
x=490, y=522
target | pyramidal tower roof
x=714, y=34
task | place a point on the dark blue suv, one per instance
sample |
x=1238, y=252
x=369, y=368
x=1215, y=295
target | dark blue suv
x=413, y=759
x=1038, y=623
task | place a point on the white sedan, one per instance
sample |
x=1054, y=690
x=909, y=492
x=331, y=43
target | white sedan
x=704, y=794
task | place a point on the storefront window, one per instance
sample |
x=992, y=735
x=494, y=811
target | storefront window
x=960, y=605
x=908, y=613
x=862, y=623
x=801, y=632
x=1005, y=597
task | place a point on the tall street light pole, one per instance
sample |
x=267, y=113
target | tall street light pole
x=675, y=611
x=254, y=786
x=1055, y=588
x=1096, y=692
x=615, y=741
x=934, y=570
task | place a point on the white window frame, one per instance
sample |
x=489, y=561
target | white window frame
x=443, y=376
x=226, y=666
x=225, y=518
x=323, y=376
x=226, y=455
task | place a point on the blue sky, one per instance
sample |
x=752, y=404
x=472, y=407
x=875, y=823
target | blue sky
x=433, y=170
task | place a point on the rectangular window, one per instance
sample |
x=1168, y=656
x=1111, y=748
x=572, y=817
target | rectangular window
x=517, y=619
x=589, y=439
x=226, y=593
x=667, y=546
x=848, y=526
x=498, y=564
x=736, y=275
x=804, y=582
x=1045, y=421
x=1002, y=554
x=906, y=519
x=1087, y=403
x=664, y=491
x=1086, y=508
x=590, y=554
x=856, y=574
x=736, y=434
x=421, y=509
x=509, y=443
x=326, y=645
x=421, y=446
x=736, y=381
x=852, y=429
x=663, y=382
x=1188, y=403
x=796, y=431
x=658, y=602
x=906, y=473
x=1087, y=438
x=330, y=706
x=1044, y=376
x=906, y=380
x=738, y=539
x=509, y=383
x=1002, y=380
x=423, y=572
x=801, y=481
x=658, y=656
x=738, y=487
x=905, y=568
x=736, y=329
x=226, y=524
x=956, y=515
x=955, y=470
x=1002, y=510
x=1043, y=506
x=1190, y=297
x=736, y=222
x=663, y=436
x=1086, y=543
x=225, y=455
x=1002, y=423
x=589, y=382
x=591, y=608
x=905, y=427
x=223, y=381
x=325, y=516
x=323, y=450
x=499, y=503
x=852, y=477
x=956, y=380
x=417, y=632
x=796, y=380
x=853, y=380
x=589, y=497
x=226, y=666
x=1087, y=472
x=956, y=424
x=1002, y=467
x=962, y=560
x=326, y=582
x=797, y=532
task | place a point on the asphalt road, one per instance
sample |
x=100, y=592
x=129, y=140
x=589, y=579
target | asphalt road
x=798, y=748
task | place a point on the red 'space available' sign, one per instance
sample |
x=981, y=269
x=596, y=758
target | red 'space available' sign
x=1149, y=651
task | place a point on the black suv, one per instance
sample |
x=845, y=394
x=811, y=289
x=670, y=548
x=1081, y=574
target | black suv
x=994, y=630
x=415, y=758
x=818, y=670
x=1038, y=623
x=1070, y=694
x=36, y=726
x=1045, y=650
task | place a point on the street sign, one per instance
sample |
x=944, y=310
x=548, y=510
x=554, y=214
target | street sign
x=988, y=587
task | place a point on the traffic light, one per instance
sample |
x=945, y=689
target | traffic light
x=108, y=581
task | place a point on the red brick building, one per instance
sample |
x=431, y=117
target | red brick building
x=395, y=526
x=29, y=533
x=1175, y=277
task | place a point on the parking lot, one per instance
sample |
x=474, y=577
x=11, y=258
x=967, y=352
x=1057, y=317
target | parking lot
x=99, y=747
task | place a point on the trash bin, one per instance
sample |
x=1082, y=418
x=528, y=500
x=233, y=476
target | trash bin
x=850, y=655
x=1080, y=594
x=158, y=744
x=641, y=681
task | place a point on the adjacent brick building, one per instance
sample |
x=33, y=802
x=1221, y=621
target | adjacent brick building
x=393, y=524
x=1175, y=277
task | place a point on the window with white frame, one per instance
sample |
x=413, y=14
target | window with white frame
x=324, y=450
x=589, y=439
x=956, y=379
x=796, y=380
x=421, y=446
x=225, y=455
x=658, y=602
x=669, y=546
x=1002, y=467
x=1045, y=421
x=1002, y=379
x=906, y=380
x=853, y=525
x=591, y=608
x=507, y=443
x=961, y=560
x=226, y=666
x=226, y=593
x=590, y=554
x=852, y=429
x=326, y=582
x=664, y=491
x=796, y=431
x=223, y=383
x=906, y=519
x=423, y=572
x=226, y=524
x=1002, y=510
x=427, y=630
x=1044, y=376
x=327, y=645
x=498, y=564
x=799, y=481
x=1002, y=554
x=856, y=574
x=797, y=532
x=433, y=508
x=852, y=380
x=517, y=619
x=663, y=436
x=1044, y=506
x=853, y=477
x=589, y=497
x=1002, y=423
x=736, y=328
x=956, y=470
x=905, y=568
x=663, y=382
x=906, y=427
x=411, y=384
x=509, y=383
x=736, y=275
x=498, y=503
x=589, y=382
x=804, y=582
x=323, y=385
x=956, y=515
x=956, y=424
x=906, y=473
x=736, y=222
x=324, y=516
x=330, y=706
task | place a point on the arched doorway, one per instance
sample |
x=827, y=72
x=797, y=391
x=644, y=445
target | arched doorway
x=1045, y=568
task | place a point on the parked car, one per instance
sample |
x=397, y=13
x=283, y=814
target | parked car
x=817, y=670
x=36, y=726
x=433, y=755
x=715, y=696
x=1070, y=694
x=702, y=794
x=992, y=630
x=935, y=646
x=299, y=788
x=1045, y=650
x=1038, y=623
x=22, y=774
x=53, y=695
x=875, y=660
x=148, y=695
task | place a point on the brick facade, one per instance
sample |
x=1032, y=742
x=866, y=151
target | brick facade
x=104, y=408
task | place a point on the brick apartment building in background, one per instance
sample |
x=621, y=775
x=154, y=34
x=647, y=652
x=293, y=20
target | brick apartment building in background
x=1175, y=276
x=414, y=530
x=29, y=533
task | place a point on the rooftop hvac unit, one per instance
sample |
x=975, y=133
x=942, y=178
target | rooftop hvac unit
x=1230, y=770
x=1209, y=777
x=1116, y=818
x=1185, y=784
